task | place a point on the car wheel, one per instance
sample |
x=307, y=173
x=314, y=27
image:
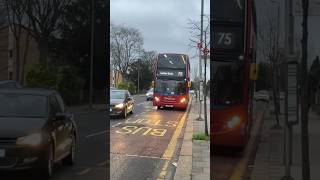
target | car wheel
x=47, y=163
x=69, y=160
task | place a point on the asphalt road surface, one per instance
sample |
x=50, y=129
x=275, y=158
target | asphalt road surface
x=139, y=144
x=226, y=160
x=91, y=159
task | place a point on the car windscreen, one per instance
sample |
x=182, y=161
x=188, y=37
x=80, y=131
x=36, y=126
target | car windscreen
x=227, y=84
x=170, y=87
x=117, y=94
x=22, y=105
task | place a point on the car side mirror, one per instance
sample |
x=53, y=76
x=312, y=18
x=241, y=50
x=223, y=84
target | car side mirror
x=60, y=116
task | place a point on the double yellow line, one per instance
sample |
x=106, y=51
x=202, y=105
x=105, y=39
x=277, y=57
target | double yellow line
x=168, y=154
x=241, y=167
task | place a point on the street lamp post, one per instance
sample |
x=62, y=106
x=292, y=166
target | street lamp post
x=91, y=55
x=200, y=62
x=138, y=76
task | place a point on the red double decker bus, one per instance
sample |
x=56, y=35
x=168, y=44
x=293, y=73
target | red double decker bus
x=234, y=31
x=171, y=81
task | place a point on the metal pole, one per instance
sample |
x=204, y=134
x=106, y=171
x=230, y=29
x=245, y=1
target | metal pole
x=205, y=87
x=304, y=86
x=92, y=56
x=200, y=61
x=138, y=76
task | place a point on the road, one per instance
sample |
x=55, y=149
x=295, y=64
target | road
x=139, y=144
x=91, y=156
x=226, y=161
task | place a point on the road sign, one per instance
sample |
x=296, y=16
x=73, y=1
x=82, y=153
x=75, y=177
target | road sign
x=314, y=8
x=206, y=51
x=292, y=98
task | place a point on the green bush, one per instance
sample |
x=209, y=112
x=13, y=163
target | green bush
x=63, y=79
x=122, y=86
x=200, y=136
x=128, y=86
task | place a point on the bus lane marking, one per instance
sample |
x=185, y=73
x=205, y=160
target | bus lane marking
x=135, y=127
x=97, y=134
x=85, y=171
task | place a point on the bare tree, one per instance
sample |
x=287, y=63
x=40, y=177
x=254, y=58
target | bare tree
x=125, y=47
x=148, y=56
x=3, y=18
x=270, y=48
x=195, y=30
x=45, y=17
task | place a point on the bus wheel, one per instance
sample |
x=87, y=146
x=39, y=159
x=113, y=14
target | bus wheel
x=158, y=107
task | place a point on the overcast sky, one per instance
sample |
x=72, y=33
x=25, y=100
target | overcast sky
x=162, y=23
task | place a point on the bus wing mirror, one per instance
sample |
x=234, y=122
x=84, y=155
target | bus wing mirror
x=253, y=72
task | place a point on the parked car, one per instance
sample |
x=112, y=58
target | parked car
x=149, y=94
x=262, y=95
x=121, y=103
x=9, y=84
x=36, y=131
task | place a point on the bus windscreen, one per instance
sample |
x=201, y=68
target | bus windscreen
x=170, y=87
x=227, y=82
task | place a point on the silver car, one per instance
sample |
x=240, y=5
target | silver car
x=149, y=94
x=121, y=103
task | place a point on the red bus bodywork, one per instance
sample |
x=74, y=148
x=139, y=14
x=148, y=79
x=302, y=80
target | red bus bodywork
x=231, y=125
x=174, y=101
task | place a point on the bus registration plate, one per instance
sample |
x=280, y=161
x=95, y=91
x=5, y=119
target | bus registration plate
x=169, y=105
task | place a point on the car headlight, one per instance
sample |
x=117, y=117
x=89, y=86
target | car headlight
x=235, y=120
x=157, y=99
x=183, y=100
x=120, y=106
x=32, y=139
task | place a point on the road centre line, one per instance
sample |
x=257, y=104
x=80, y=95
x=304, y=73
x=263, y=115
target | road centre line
x=97, y=134
x=85, y=171
x=103, y=163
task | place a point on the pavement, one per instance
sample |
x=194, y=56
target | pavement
x=269, y=161
x=194, y=161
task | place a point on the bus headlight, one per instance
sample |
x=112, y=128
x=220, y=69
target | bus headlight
x=157, y=99
x=183, y=100
x=120, y=106
x=235, y=120
x=32, y=139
